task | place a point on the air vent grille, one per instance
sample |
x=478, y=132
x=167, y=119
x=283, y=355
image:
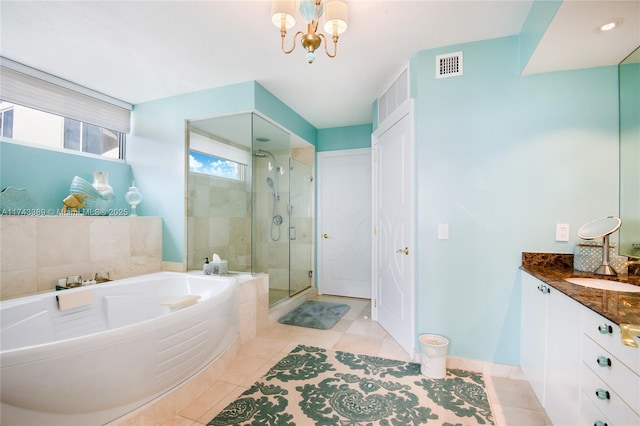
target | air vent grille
x=395, y=96
x=449, y=65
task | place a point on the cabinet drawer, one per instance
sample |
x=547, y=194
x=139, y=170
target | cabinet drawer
x=609, y=338
x=614, y=373
x=590, y=414
x=612, y=406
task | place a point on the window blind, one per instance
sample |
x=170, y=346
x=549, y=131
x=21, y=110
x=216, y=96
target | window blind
x=29, y=87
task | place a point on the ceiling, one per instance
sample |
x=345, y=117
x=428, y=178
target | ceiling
x=139, y=51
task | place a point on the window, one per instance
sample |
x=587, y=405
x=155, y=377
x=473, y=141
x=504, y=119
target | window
x=215, y=166
x=41, y=128
x=6, y=123
x=57, y=113
x=86, y=137
x=212, y=157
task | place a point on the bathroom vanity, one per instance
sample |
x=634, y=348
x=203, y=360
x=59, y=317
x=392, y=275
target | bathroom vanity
x=571, y=348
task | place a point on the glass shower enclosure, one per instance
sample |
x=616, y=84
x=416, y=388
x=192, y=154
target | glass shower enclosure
x=250, y=200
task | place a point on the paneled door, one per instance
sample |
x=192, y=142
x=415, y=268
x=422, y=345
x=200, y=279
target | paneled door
x=393, y=245
x=344, y=223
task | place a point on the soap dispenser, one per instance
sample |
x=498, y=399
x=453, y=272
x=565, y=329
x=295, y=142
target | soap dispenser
x=206, y=268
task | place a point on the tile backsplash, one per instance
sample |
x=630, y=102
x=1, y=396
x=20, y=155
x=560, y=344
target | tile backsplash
x=35, y=251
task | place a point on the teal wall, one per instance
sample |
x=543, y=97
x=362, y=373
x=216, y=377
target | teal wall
x=279, y=112
x=502, y=159
x=349, y=137
x=47, y=173
x=156, y=148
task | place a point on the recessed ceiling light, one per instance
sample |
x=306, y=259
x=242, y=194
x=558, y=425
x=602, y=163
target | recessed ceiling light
x=611, y=24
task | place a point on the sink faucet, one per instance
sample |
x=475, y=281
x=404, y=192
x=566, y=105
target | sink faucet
x=627, y=331
x=635, y=263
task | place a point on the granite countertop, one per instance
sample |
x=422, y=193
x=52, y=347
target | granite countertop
x=553, y=268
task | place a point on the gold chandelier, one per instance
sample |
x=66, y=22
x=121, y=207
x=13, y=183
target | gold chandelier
x=335, y=13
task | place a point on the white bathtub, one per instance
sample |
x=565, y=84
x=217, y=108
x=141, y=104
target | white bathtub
x=123, y=347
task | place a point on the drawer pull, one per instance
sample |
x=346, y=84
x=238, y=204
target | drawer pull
x=605, y=329
x=603, y=361
x=603, y=394
x=599, y=423
x=544, y=289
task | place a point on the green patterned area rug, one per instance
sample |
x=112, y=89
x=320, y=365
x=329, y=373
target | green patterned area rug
x=321, y=315
x=313, y=386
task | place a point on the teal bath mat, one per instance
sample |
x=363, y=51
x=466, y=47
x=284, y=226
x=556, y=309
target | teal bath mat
x=321, y=315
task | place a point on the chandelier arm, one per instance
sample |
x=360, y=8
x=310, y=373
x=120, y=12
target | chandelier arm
x=326, y=47
x=283, y=33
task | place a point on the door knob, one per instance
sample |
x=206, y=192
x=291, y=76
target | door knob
x=325, y=236
x=404, y=250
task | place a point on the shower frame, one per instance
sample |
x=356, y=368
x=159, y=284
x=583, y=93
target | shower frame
x=253, y=204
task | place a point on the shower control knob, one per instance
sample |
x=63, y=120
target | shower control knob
x=325, y=236
x=404, y=250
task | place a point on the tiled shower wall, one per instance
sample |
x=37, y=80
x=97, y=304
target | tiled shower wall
x=35, y=251
x=218, y=221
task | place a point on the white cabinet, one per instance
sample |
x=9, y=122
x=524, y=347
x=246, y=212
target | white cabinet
x=610, y=374
x=533, y=332
x=550, y=348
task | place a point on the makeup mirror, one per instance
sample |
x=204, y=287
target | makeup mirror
x=601, y=228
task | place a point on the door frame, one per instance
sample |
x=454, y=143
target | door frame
x=405, y=109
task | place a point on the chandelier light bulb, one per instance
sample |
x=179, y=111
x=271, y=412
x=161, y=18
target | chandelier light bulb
x=336, y=17
x=283, y=14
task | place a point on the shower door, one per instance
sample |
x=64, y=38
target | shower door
x=300, y=226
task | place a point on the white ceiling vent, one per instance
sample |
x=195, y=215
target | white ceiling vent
x=395, y=96
x=449, y=65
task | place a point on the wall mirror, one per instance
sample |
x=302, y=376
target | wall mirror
x=629, y=87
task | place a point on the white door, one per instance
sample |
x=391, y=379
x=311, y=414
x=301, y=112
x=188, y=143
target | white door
x=393, y=247
x=344, y=223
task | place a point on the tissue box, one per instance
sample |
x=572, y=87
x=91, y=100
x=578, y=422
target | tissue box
x=219, y=267
x=587, y=257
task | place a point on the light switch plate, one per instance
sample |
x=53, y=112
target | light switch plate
x=443, y=231
x=562, y=232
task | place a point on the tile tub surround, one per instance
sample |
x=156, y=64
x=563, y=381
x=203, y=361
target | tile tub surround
x=35, y=251
x=552, y=268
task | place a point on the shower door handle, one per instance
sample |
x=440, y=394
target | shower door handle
x=292, y=233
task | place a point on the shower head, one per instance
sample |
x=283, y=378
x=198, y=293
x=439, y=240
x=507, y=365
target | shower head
x=274, y=190
x=262, y=154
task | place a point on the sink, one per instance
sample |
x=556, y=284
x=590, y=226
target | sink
x=604, y=284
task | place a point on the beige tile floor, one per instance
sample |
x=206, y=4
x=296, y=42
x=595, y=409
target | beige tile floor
x=513, y=401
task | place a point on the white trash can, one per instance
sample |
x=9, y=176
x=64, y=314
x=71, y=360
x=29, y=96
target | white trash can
x=433, y=355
